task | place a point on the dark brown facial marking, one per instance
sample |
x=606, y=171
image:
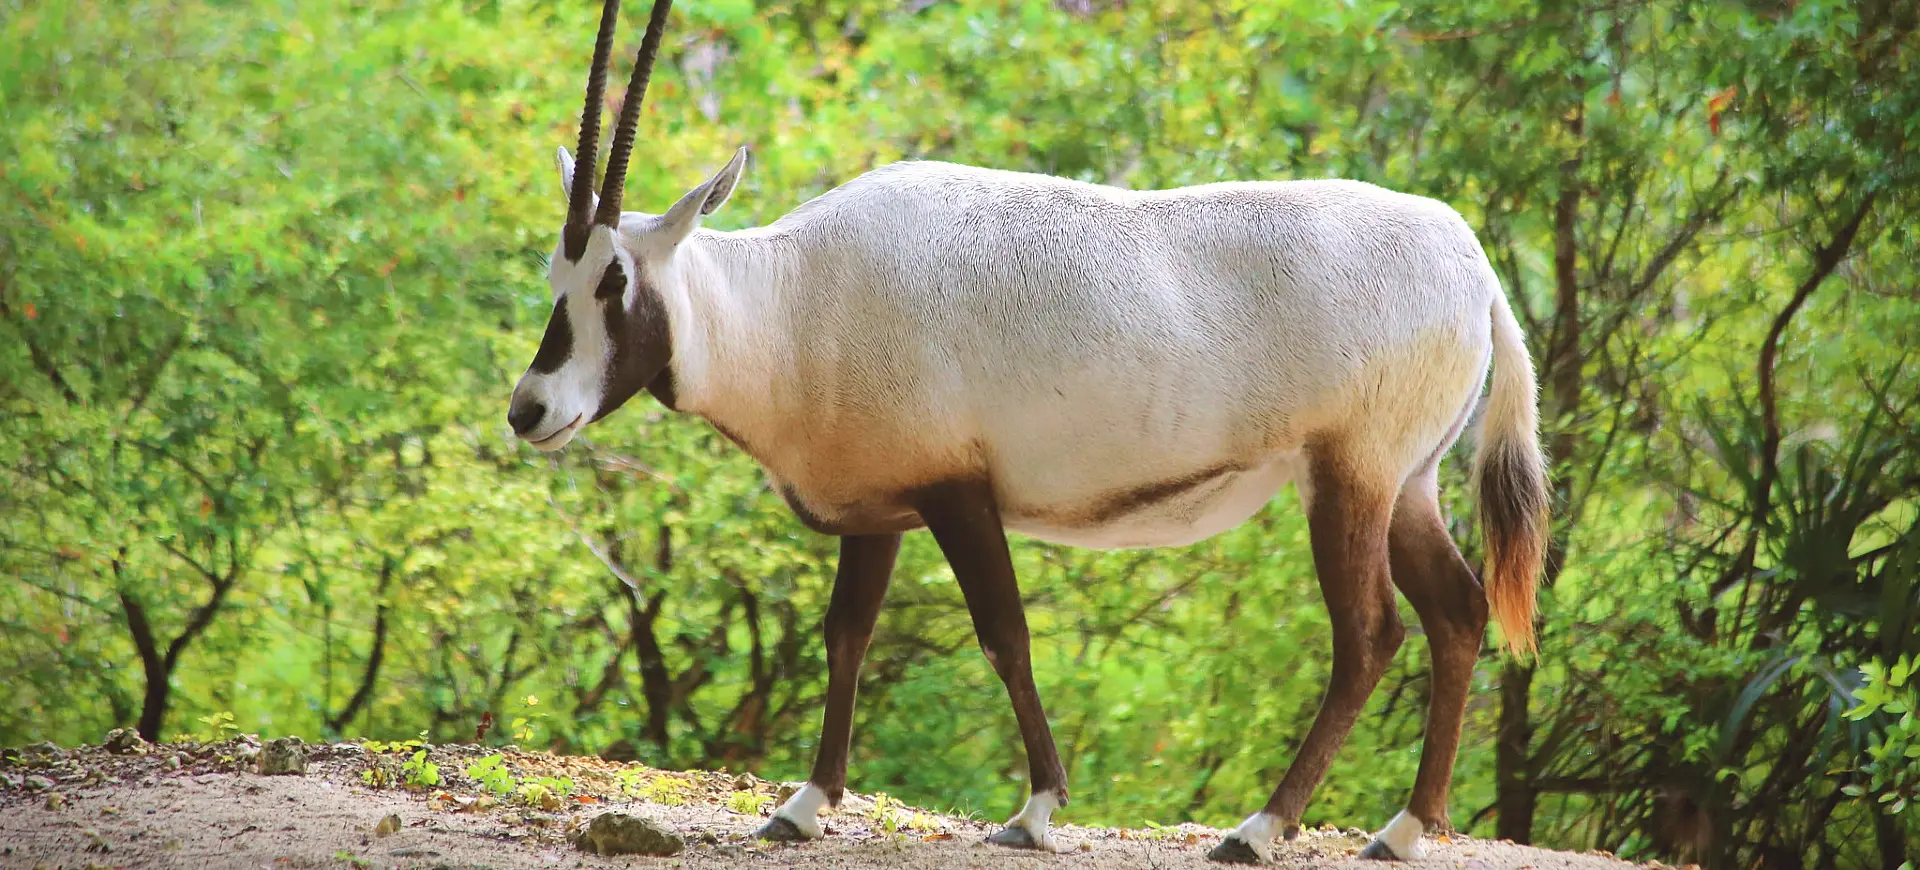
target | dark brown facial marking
x=613, y=282
x=662, y=389
x=642, y=341
x=1128, y=501
x=557, y=344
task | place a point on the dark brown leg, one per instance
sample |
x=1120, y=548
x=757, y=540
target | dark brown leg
x=859, y=588
x=1453, y=612
x=966, y=522
x=1348, y=520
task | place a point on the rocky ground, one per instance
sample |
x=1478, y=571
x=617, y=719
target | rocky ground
x=239, y=803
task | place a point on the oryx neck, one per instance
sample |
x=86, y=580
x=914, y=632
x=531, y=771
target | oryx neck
x=731, y=291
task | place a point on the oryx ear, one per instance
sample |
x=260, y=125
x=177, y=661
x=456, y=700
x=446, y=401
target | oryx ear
x=685, y=215
x=564, y=162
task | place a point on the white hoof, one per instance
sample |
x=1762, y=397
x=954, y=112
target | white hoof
x=1399, y=840
x=802, y=811
x=1029, y=829
x=1252, y=840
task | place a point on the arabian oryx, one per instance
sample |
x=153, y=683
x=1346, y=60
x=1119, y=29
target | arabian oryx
x=972, y=350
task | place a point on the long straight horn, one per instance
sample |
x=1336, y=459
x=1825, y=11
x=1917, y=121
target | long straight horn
x=616, y=183
x=580, y=199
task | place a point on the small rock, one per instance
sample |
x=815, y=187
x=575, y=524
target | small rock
x=787, y=790
x=173, y=762
x=743, y=782
x=42, y=754
x=388, y=826
x=622, y=834
x=284, y=755
x=125, y=741
x=37, y=783
x=56, y=801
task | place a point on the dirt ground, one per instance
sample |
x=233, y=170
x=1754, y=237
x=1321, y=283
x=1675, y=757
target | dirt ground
x=206, y=806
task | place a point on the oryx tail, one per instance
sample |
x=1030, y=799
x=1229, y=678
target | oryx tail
x=1512, y=481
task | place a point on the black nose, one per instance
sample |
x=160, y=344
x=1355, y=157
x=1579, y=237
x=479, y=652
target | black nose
x=524, y=417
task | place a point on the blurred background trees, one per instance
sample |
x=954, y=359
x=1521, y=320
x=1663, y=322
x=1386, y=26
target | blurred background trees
x=268, y=270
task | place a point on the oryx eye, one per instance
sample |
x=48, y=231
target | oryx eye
x=613, y=283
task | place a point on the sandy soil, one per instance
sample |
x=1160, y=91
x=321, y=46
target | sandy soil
x=204, y=806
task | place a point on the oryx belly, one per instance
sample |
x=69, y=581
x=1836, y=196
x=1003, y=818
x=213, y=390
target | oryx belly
x=1137, y=511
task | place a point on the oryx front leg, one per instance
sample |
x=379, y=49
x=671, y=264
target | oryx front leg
x=965, y=520
x=859, y=587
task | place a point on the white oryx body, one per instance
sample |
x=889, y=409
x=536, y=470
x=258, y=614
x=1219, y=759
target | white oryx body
x=972, y=350
x=1128, y=368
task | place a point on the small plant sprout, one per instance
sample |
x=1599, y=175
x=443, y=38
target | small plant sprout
x=546, y=792
x=666, y=790
x=523, y=726
x=747, y=803
x=492, y=774
x=220, y=726
x=419, y=772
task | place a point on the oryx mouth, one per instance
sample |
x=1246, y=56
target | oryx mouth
x=569, y=429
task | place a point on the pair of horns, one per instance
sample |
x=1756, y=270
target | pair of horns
x=581, y=197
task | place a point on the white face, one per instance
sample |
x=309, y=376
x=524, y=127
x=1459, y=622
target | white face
x=567, y=385
x=608, y=338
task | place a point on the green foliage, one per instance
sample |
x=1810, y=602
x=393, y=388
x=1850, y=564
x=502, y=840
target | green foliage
x=1892, y=767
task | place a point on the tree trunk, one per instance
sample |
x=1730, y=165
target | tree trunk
x=1512, y=777
x=153, y=710
x=370, y=677
x=1893, y=846
x=154, y=665
x=1562, y=364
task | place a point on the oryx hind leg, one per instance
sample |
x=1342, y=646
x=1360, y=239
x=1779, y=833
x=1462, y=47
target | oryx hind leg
x=1436, y=580
x=1350, y=505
